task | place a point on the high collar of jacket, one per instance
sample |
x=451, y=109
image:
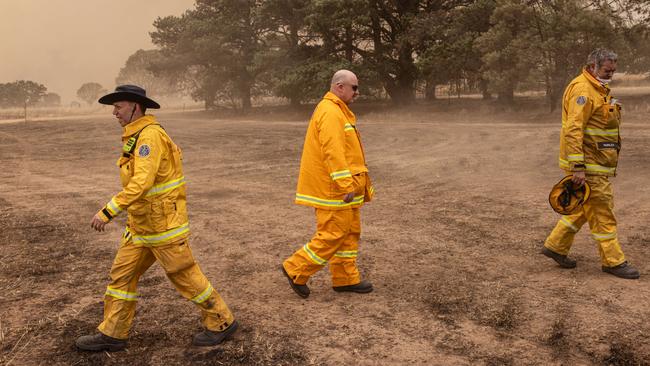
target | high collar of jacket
x=596, y=84
x=137, y=125
x=344, y=107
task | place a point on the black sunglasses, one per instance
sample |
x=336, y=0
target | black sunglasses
x=354, y=87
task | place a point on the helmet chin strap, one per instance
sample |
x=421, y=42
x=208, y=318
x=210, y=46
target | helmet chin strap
x=132, y=113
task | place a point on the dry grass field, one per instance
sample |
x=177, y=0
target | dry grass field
x=451, y=244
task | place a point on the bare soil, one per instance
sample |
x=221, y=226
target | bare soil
x=451, y=244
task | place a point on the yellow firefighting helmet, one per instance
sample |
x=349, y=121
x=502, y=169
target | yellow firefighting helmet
x=566, y=197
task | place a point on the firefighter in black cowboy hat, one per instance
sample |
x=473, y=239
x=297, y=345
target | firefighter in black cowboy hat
x=157, y=229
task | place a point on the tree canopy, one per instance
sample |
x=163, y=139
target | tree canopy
x=21, y=93
x=234, y=50
x=90, y=92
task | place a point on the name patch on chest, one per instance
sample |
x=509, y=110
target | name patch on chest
x=144, y=151
x=608, y=145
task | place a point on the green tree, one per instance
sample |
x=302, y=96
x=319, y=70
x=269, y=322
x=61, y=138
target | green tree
x=51, y=100
x=90, y=92
x=382, y=38
x=140, y=68
x=219, y=40
x=446, y=46
x=508, y=48
x=539, y=43
x=294, y=65
x=21, y=92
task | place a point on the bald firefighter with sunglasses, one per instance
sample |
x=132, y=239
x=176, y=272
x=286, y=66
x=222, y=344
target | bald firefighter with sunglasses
x=334, y=181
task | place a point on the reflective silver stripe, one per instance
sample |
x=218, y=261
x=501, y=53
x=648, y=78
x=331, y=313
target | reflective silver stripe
x=329, y=203
x=601, y=237
x=564, y=163
x=349, y=127
x=315, y=258
x=127, y=233
x=203, y=295
x=113, y=207
x=162, y=237
x=569, y=224
x=341, y=174
x=165, y=187
x=122, y=295
x=576, y=157
x=590, y=167
x=346, y=254
x=601, y=132
x=599, y=168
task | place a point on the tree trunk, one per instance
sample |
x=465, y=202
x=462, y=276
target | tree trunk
x=430, y=91
x=484, y=87
x=294, y=101
x=245, y=95
x=507, y=94
x=208, y=102
x=348, y=43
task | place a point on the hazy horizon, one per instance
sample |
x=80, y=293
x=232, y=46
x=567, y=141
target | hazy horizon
x=65, y=43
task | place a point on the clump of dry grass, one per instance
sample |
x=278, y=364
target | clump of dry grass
x=502, y=312
x=499, y=361
x=557, y=338
x=623, y=354
x=488, y=304
x=253, y=348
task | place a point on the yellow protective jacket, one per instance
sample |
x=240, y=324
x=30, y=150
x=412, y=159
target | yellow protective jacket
x=590, y=139
x=153, y=191
x=333, y=162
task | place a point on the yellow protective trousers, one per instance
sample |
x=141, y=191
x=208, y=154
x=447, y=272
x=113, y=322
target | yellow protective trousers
x=598, y=211
x=336, y=241
x=132, y=260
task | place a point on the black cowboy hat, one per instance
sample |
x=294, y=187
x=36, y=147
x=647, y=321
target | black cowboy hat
x=131, y=93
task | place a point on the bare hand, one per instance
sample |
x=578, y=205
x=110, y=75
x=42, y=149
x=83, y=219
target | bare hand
x=348, y=197
x=97, y=223
x=578, y=178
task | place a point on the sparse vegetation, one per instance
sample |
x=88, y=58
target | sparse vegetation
x=622, y=354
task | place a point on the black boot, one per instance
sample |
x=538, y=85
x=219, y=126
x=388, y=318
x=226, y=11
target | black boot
x=362, y=287
x=623, y=270
x=212, y=338
x=562, y=260
x=100, y=342
x=301, y=290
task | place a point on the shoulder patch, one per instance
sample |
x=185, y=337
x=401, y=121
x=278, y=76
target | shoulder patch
x=581, y=100
x=144, y=151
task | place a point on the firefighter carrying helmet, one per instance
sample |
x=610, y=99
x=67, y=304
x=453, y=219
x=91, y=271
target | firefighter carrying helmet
x=566, y=197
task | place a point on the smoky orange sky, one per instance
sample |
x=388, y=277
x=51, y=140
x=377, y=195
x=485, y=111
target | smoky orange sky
x=65, y=43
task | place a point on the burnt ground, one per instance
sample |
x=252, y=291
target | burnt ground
x=451, y=244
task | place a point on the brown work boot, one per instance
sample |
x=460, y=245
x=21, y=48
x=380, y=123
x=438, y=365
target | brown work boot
x=362, y=287
x=562, y=260
x=100, y=342
x=212, y=338
x=623, y=270
x=301, y=290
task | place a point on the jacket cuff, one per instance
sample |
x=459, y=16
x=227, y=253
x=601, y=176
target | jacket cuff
x=104, y=215
x=577, y=167
x=345, y=184
x=111, y=210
